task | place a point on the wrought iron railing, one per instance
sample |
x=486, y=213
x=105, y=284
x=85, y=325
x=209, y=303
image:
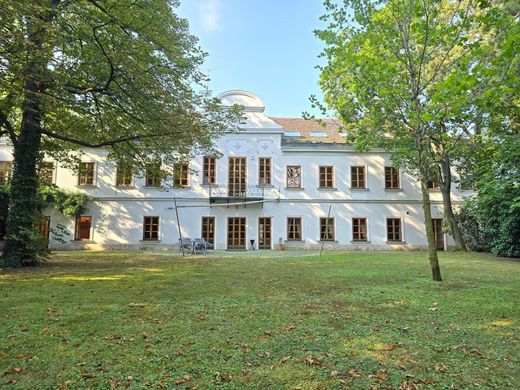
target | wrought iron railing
x=238, y=191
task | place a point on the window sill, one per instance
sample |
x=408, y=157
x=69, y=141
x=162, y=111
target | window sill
x=86, y=186
x=395, y=242
x=152, y=187
x=294, y=188
x=393, y=189
x=327, y=189
x=125, y=187
x=328, y=241
x=182, y=188
x=359, y=189
x=209, y=185
x=150, y=241
x=85, y=241
x=265, y=186
x=290, y=241
x=360, y=242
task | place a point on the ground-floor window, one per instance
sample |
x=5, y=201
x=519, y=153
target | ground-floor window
x=327, y=229
x=294, y=229
x=151, y=229
x=438, y=234
x=83, y=225
x=208, y=231
x=43, y=226
x=264, y=233
x=393, y=229
x=359, y=229
x=236, y=233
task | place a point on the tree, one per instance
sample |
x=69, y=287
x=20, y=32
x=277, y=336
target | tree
x=118, y=74
x=396, y=74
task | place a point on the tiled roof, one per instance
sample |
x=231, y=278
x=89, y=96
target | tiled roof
x=308, y=130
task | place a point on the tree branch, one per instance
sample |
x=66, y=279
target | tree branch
x=9, y=130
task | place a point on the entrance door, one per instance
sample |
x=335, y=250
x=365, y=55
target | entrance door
x=236, y=233
x=438, y=234
x=237, y=176
x=208, y=231
x=264, y=233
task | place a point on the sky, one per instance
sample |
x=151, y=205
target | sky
x=266, y=47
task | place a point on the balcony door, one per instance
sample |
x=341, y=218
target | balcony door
x=236, y=233
x=237, y=176
x=264, y=233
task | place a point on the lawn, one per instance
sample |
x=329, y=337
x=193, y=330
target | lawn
x=344, y=320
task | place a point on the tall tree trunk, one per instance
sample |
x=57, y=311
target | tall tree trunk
x=20, y=248
x=428, y=224
x=445, y=185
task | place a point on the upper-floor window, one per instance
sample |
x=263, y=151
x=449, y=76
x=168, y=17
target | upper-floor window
x=151, y=229
x=359, y=229
x=294, y=229
x=358, y=180
x=124, y=173
x=181, y=175
x=393, y=229
x=46, y=172
x=326, y=177
x=6, y=170
x=209, y=170
x=391, y=178
x=264, y=171
x=86, y=173
x=327, y=229
x=153, y=174
x=433, y=184
x=294, y=176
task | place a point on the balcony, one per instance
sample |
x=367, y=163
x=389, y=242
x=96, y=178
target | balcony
x=237, y=194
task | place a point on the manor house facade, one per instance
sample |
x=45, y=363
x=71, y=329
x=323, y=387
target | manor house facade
x=279, y=183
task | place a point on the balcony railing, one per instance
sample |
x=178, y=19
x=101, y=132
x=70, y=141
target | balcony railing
x=238, y=191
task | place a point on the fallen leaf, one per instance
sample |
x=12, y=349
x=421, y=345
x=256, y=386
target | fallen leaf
x=87, y=375
x=390, y=347
x=334, y=374
x=354, y=373
x=440, y=367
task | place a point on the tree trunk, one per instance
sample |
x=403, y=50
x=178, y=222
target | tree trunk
x=445, y=185
x=428, y=223
x=20, y=248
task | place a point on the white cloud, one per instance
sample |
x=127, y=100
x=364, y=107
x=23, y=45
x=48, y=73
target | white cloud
x=209, y=11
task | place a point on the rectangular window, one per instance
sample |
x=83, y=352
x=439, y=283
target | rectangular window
x=264, y=171
x=46, y=172
x=327, y=229
x=237, y=179
x=393, y=229
x=151, y=229
x=264, y=233
x=433, y=184
x=438, y=234
x=357, y=177
x=209, y=172
x=294, y=176
x=6, y=170
x=359, y=229
x=124, y=173
x=327, y=177
x=153, y=174
x=294, y=229
x=181, y=175
x=208, y=231
x=86, y=173
x=391, y=178
x=44, y=226
x=83, y=225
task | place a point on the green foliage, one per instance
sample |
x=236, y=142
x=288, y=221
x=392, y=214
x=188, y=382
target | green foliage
x=267, y=321
x=68, y=203
x=4, y=207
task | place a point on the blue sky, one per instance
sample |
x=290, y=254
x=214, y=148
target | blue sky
x=263, y=46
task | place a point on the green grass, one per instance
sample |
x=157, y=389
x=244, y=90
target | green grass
x=345, y=320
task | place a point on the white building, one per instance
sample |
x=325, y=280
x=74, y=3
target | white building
x=275, y=183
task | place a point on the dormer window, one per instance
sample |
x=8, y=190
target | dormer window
x=292, y=134
x=318, y=134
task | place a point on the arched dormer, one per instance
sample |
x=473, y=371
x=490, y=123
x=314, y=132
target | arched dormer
x=249, y=101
